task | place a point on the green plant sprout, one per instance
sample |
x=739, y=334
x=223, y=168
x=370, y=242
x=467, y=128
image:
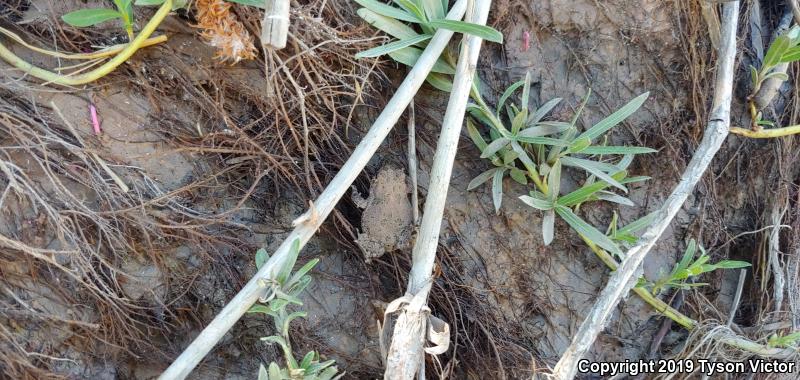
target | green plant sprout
x=688, y=268
x=783, y=341
x=280, y=292
x=428, y=16
x=785, y=49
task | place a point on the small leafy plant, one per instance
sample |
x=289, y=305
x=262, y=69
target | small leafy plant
x=93, y=16
x=690, y=267
x=530, y=149
x=281, y=292
x=427, y=16
x=785, y=49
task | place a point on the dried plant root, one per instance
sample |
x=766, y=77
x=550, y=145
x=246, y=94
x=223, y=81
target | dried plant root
x=223, y=31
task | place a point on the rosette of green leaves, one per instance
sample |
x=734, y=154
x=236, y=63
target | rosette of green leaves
x=541, y=149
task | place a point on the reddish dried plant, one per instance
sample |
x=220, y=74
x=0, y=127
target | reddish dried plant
x=223, y=31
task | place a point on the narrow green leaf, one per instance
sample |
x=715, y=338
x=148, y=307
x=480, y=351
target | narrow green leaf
x=89, y=17
x=519, y=121
x=485, y=32
x=538, y=201
x=476, y=136
x=621, y=114
x=507, y=93
x=274, y=371
x=731, y=264
x=526, y=92
x=791, y=55
x=261, y=257
x=440, y=82
x=393, y=46
x=412, y=8
x=579, y=146
x=541, y=130
x=386, y=10
x=783, y=77
x=638, y=224
x=497, y=189
x=776, y=51
x=543, y=110
x=387, y=25
x=251, y=3
x=585, y=192
x=409, y=56
x=519, y=176
x=543, y=141
x=587, y=230
x=434, y=9
x=548, y=226
x=494, y=146
x=615, y=198
x=754, y=75
x=258, y=309
x=481, y=178
x=617, y=150
x=291, y=258
x=599, y=169
x=554, y=180
x=303, y=271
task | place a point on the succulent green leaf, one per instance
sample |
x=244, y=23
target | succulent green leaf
x=497, y=189
x=598, y=169
x=385, y=10
x=543, y=110
x=593, y=150
x=393, y=46
x=387, y=25
x=485, y=32
x=481, y=178
x=612, y=120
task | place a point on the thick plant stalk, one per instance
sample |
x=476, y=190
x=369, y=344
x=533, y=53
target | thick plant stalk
x=323, y=206
x=624, y=278
x=275, y=25
x=766, y=133
x=406, y=355
x=105, y=69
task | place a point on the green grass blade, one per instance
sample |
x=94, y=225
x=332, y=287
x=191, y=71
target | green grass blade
x=609, y=122
x=385, y=10
x=482, y=31
x=409, y=56
x=387, y=25
x=617, y=150
x=393, y=46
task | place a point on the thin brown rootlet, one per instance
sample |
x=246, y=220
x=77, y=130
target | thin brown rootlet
x=250, y=139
